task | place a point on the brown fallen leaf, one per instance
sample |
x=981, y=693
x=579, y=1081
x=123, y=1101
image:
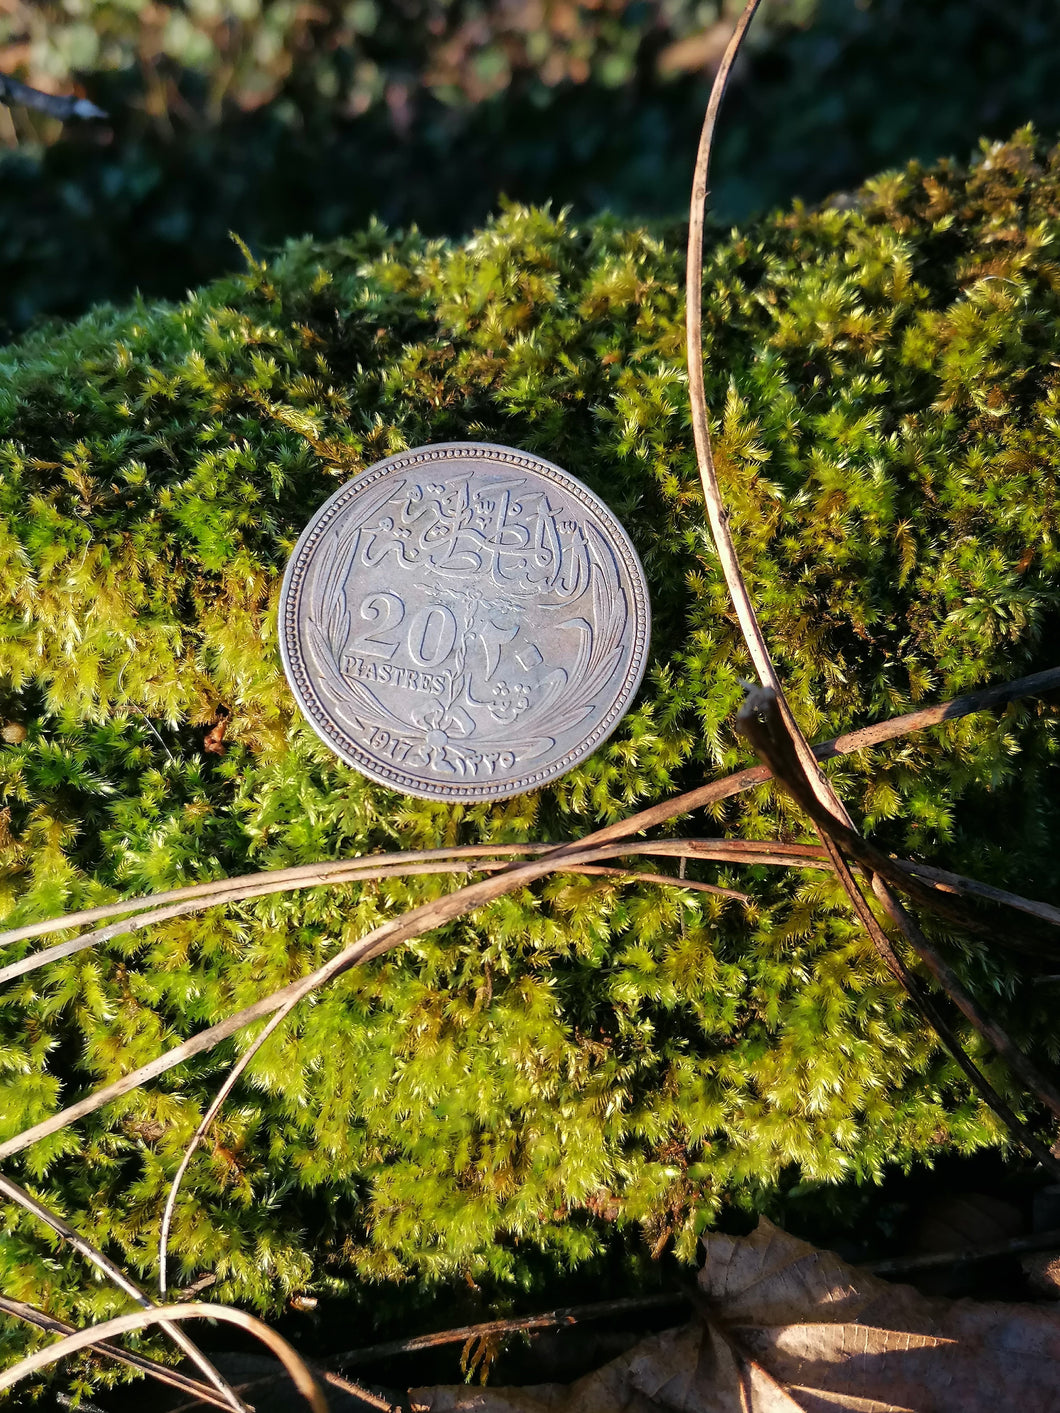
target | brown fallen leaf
x=786, y=1328
x=1042, y=1269
x=609, y=1390
x=965, y=1219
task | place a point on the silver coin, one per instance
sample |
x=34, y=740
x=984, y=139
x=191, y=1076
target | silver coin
x=464, y=622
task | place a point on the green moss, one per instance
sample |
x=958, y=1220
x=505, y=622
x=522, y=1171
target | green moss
x=886, y=387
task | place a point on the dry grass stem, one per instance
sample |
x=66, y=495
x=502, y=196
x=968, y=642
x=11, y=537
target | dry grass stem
x=829, y=814
x=381, y=939
x=14, y=1193
x=18, y=1310
x=367, y=869
x=310, y=874
x=216, y=1105
x=553, y=1319
x=760, y=720
x=168, y=1316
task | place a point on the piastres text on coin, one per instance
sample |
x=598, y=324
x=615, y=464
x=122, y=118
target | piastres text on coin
x=464, y=621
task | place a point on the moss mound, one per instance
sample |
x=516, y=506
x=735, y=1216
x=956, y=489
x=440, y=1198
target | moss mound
x=585, y=1054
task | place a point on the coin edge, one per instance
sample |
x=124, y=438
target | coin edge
x=393, y=778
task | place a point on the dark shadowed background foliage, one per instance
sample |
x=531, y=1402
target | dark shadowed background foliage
x=275, y=119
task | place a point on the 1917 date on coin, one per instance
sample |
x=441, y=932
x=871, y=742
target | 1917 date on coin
x=464, y=622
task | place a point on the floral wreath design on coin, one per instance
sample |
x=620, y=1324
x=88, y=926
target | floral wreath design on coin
x=436, y=736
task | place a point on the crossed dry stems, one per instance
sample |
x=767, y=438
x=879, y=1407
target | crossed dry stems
x=768, y=724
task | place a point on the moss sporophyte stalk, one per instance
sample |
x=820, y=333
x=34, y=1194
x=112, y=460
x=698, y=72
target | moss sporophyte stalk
x=587, y=1055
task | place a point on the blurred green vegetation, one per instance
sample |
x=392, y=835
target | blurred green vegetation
x=354, y=54
x=276, y=118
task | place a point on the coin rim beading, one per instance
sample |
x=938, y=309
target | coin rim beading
x=301, y=684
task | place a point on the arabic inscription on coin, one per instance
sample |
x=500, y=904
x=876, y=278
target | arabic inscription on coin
x=464, y=622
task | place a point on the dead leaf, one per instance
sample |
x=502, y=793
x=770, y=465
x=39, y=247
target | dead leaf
x=966, y=1219
x=785, y=1328
x=1042, y=1269
x=609, y=1390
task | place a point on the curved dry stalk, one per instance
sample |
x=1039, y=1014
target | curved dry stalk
x=927, y=1006
x=261, y=885
x=14, y=1193
x=697, y=393
x=240, y=1065
x=230, y=1081
x=168, y=1316
x=717, y=512
x=307, y=874
x=363, y=870
x=19, y=1310
x=381, y=939
x=373, y=867
x=761, y=722
x=846, y=744
x=815, y=794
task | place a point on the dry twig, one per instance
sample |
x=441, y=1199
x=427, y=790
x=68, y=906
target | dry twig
x=14, y=1193
x=554, y=1319
x=168, y=1315
x=829, y=814
x=761, y=722
x=18, y=1310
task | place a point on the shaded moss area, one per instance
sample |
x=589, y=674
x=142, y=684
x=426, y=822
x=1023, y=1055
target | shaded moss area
x=584, y=1057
